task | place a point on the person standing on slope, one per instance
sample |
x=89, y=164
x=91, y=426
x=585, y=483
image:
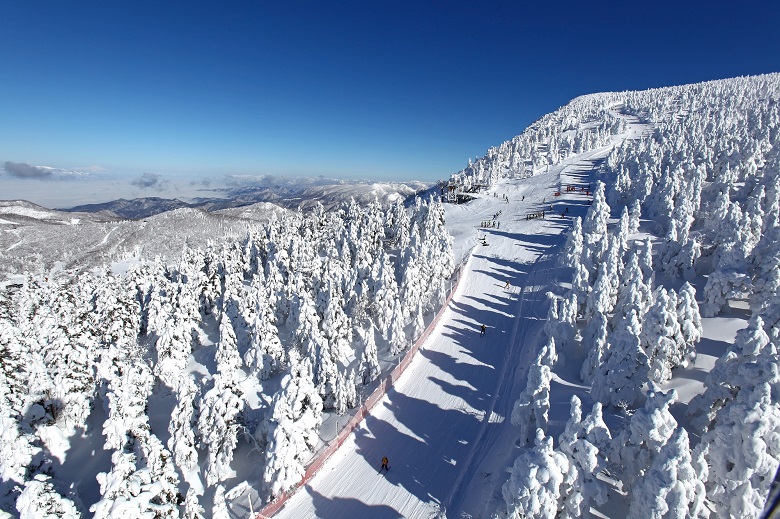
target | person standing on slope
x=482, y=330
x=385, y=465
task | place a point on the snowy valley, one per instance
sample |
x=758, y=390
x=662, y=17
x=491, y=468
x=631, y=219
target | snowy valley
x=622, y=254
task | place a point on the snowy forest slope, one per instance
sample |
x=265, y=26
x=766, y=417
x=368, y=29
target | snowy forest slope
x=194, y=386
x=170, y=369
x=623, y=326
x=36, y=239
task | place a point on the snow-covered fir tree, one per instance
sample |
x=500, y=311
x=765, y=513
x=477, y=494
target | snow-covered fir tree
x=530, y=412
x=291, y=433
x=535, y=485
x=671, y=487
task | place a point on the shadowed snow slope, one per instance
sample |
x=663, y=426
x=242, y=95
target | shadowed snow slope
x=444, y=426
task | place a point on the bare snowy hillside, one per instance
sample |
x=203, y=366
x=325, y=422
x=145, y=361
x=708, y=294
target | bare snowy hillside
x=18, y=213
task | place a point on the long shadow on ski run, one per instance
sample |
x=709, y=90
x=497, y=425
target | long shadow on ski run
x=490, y=301
x=478, y=315
x=540, y=240
x=462, y=391
x=442, y=432
x=349, y=507
x=510, y=272
x=503, y=263
x=458, y=369
x=502, y=275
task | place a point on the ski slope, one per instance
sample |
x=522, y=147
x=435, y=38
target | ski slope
x=445, y=425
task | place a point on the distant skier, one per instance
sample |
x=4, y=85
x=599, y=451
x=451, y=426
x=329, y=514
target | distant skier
x=385, y=465
x=506, y=287
x=482, y=330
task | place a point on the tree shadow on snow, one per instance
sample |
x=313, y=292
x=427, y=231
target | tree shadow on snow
x=347, y=507
x=479, y=315
x=462, y=371
x=424, y=465
x=501, y=275
x=715, y=348
x=464, y=392
x=495, y=303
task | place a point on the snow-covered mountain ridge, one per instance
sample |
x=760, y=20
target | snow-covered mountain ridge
x=207, y=376
x=300, y=194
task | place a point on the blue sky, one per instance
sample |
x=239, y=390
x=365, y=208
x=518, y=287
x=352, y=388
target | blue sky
x=384, y=90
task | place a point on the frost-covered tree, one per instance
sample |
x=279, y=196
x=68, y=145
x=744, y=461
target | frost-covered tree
x=603, y=297
x=128, y=395
x=623, y=370
x=184, y=420
x=142, y=481
x=265, y=354
x=369, y=361
x=532, y=406
x=418, y=323
x=561, y=324
x=551, y=323
x=671, y=487
x=537, y=477
x=16, y=452
x=596, y=431
x=39, y=500
x=634, y=217
x=572, y=250
x=585, y=457
x=219, y=420
x=227, y=357
x=220, y=509
x=633, y=292
x=729, y=280
x=173, y=349
x=764, y=262
x=646, y=262
x=142, y=477
x=385, y=292
x=740, y=415
x=622, y=233
x=742, y=450
x=690, y=324
x=580, y=286
x=218, y=427
x=594, y=229
x=646, y=432
x=192, y=508
x=737, y=368
x=291, y=433
x=397, y=336
x=594, y=341
x=661, y=337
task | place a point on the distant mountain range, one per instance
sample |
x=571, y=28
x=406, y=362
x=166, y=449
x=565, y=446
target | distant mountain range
x=144, y=207
x=304, y=196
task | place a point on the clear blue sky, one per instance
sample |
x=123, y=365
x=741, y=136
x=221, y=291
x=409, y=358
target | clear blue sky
x=387, y=90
